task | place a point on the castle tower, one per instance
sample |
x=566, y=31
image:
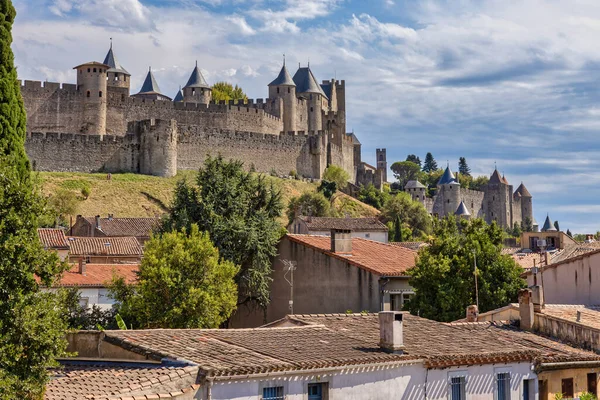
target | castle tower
x=382, y=163
x=449, y=192
x=498, y=201
x=462, y=211
x=284, y=87
x=150, y=89
x=158, y=146
x=91, y=82
x=308, y=88
x=416, y=190
x=118, y=77
x=196, y=90
x=526, y=203
x=178, y=96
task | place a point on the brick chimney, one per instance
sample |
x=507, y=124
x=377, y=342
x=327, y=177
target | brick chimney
x=472, y=313
x=391, y=338
x=98, y=222
x=341, y=241
x=526, y=311
x=82, y=266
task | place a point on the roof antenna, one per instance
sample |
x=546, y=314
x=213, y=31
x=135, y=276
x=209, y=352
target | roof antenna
x=284, y=59
x=111, y=43
x=495, y=166
x=196, y=63
x=308, y=62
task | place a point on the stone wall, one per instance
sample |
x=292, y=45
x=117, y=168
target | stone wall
x=474, y=201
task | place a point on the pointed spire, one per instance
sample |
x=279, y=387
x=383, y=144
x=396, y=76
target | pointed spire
x=283, y=79
x=150, y=85
x=196, y=79
x=113, y=63
x=178, y=96
x=307, y=83
x=522, y=190
x=462, y=210
x=495, y=178
x=447, y=177
x=548, y=225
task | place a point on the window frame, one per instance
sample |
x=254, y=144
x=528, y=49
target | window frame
x=499, y=371
x=324, y=389
x=457, y=374
x=277, y=396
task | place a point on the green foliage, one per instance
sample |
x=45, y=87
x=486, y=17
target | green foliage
x=405, y=171
x=412, y=213
x=80, y=317
x=31, y=330
x=327, y=188
x=443, y=277
x=120, y=322
x=63, y=204
x=294, y=174
x=182, y=284
x=463, y=168
x=414, y=159
x=479, y=182
x=239, y=210
x=527, y=225
x=336, y=174
x=85, y=192
x=372, y=196
x=309, y=203
x=226, y=91
x=580, y=237
x=558, y=396
x=430, y=164
x=587, y=396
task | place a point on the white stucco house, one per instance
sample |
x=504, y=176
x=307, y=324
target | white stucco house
x=366, y=228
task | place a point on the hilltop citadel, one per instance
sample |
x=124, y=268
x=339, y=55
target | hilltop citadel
x=98, y=125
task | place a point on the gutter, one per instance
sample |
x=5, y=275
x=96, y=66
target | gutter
x=567, y=364
x=314, y=371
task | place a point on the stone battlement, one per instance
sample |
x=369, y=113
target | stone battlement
x=27, y=86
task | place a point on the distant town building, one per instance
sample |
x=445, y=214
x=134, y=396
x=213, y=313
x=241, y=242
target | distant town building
x=367, y=228
x=140, y=228
x=54, y=240
x=105, y=250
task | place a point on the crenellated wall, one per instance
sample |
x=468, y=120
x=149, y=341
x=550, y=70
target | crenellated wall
x=474, y=201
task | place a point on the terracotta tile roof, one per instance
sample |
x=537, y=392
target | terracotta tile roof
x=53, y=238
x=410, y=245
x=590, y=315
x=97, y=275
x=104, y=246
x=138, y=227
x=567, y=255
x=305, y=342
x=353, y=224
x=379, y=258
x=112, y=380
x=526, y=260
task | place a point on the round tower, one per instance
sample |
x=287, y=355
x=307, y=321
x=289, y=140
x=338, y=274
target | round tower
x=118, y=77
x=449, y=189
x=196, y=89
x=91, y=82
x=308, y=88
x=526, y=202
x=283, y=87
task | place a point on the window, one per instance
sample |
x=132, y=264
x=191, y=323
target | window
x=457, y=388
x=528, y=389
x=100, y=93
x=317, y=391
x=277, y=90
x=89, y=69
x=567, y=388
x=88, y=93
x=94, y=69
x=397, y=301
x=288, y=90
x=543, y=388
x=84, y=302
x=592, y=383
x=311, y=109
x=367, y=235
x=273, y=393
x=503, y=385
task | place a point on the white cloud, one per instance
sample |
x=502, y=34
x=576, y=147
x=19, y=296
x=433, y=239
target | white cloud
x=284, y=20
x=242, y=25
x=123, y=14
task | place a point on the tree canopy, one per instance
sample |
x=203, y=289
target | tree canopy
x=226, y=91
x=308, y=203
x=444, y=279
x=405, y=171
x=430, y=165
x=463, y=168
x=31, y=329
x=239, y=210
x=412, y=214
x=373, y=197
x=336, y=174
x=414, y=159
x=183, y=283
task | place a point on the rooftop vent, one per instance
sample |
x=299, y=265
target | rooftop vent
x=391, y=338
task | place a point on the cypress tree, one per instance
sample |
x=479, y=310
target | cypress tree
x=430, y=165
x=398, y=229
x=31, y=330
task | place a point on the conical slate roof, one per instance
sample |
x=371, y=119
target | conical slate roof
x=113, y=63
x=522, y=190
x=462, y=210
x=414, y=185
x=178, y=96
x=548, y=225
x=150, y=85
x=196, y=80
x=504, y=180
x=306, y=82
x=496, y=178
x=447, y=178
x=283, y=79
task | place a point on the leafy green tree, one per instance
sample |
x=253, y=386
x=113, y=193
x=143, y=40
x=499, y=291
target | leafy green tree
x=81, y=317
x=226, y=91
x=31, y=330
x=336, y=174
x=405, y=171
x=556, y=225
x=412, y=213
x=63, y=203
x=527, y=225
x=517, y=230
x=414, y=159
x=327, y=188
x=371, y=196
x=182, y=283
x=430, y=164
x=309, y=203
x=398, y=229
x=239, y=210
x=444, y=278
x=463, y=168
x=479, y=182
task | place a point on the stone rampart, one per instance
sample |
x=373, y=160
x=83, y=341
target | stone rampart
x=473, y=200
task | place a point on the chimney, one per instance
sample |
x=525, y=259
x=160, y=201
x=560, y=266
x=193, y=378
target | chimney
x=98, y=222
x=390, y=331
x=537, y=291
x=578, y=316
x=526, y=311
x=82, y=266
x=472, y=313
x=110, y=217
x=341, y=241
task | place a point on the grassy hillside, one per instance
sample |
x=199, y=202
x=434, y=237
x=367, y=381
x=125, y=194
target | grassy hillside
x=133, y=195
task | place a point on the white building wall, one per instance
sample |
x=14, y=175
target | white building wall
x=375, y=236
x=407, y=382
x=92, y=296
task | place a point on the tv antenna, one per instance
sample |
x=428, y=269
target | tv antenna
x=289, y=266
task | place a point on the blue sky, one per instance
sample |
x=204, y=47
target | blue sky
x=510, y=82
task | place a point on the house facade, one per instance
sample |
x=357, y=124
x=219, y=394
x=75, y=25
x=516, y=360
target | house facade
x=140, y=228
x=105, y=250
x=366, y=228
x=54, y=240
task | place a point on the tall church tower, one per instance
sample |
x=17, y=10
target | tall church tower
x=382, y=163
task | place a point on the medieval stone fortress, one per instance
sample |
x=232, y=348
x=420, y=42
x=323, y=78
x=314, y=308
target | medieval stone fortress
x=97, y=125
x=495, y=202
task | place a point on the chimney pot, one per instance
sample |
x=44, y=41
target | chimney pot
x=391, y=337
x=98, y=221
x=82, y=266
x=526, y=311
x=578, y=316
x=341, y=241
x=472, y=313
